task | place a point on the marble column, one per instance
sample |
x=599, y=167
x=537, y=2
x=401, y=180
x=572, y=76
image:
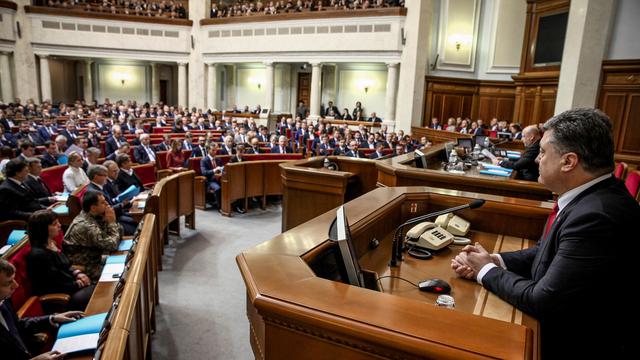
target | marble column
x=391, y=94
x=45, y=78
x=314, y=107
x=212, y=86
x=87, y=82
x=6, y=86
x=182, y=84
x=585, y=45
x=155, y=83
x=269, y=85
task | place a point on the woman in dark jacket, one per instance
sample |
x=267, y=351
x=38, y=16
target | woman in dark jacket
x=49, y=270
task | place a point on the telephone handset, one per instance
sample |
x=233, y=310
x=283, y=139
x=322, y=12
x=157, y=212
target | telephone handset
x=429, y=236
x=453, y=224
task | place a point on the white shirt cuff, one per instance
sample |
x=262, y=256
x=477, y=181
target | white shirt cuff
x=485, y=269
x=502, y=265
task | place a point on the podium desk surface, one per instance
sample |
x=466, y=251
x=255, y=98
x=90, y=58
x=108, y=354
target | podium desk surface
x=292, y=310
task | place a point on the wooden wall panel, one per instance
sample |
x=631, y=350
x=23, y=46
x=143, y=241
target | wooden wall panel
x=620, y=99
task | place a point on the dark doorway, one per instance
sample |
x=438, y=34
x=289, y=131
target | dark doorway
x=164, y=84
x=304, y=88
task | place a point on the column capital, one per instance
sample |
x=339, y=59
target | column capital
x=88, y=61
x=183, y=63
x=7, y=53
x=315, y=63
x=268, y=63
x=393, y=64
x=211, y=63
x=43, y=56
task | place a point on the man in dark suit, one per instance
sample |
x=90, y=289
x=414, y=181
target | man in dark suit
x=282, y=147
x=6, y=138
x=585, y=250
x=98, y=177
x=210, y=166
x=165, y=145
x=200, y=149
x=352, y=150
x=255, y=146
x=25, y=134
x=378, y=153
x=114, y=142
x=47, y=131
x=227, y=148
x=526, y=166
x=144, y=153
x=50, y=156
x=126, y=176
x=14, y=331
x=374, y=118
x=70, y=132
x=6, y=123
x=17, y=202
x=38, y=187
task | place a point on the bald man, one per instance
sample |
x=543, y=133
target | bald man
x=526, y=166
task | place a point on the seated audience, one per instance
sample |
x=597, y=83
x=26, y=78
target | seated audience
x=16, y=201
x=35, y=184
x=74, y=177
x=144, y=153
x=92, y=234
x=211, y=167
x=49, y=269
x=99, y=176
x=282, y=147
x=15, y=332
x=50, y=156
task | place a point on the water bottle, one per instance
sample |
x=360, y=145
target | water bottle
x=475, y=155
x=487, y=143
x=326, y=163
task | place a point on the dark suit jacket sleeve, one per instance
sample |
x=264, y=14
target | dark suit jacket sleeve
x=579, y=259
x=527, y=160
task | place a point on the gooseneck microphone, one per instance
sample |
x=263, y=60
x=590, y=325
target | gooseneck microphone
x=396, y=247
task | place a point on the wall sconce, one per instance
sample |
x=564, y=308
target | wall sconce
x=122, y=77
x=459, y=41
x=365, y=84
x=256, y=81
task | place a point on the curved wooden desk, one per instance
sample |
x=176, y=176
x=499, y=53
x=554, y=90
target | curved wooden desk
x=295, y=314
x=307, y=182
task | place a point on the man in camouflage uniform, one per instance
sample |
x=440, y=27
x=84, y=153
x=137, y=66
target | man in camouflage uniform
x=92, y=233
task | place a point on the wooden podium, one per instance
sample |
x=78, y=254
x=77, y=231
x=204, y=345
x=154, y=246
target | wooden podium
x=295, y=310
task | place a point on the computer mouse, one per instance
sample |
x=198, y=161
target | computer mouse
x=436, y=286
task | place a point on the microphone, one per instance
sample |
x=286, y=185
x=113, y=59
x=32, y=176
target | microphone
x=396, y=247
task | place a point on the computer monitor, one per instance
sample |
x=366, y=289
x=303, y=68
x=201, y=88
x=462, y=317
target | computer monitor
x=505, y=135
x=346, y=259
x=466, y=143
x=420, y=159
x=480, y=139
x=264, y=114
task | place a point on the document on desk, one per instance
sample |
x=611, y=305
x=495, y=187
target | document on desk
x=63, y=197
x=111, y=272
x=80, y=335
x=488, y=154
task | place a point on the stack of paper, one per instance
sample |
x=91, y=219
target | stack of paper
x=496, y=167
x=80, y=335
x=61, y=210
x=113, y=268
x=495, y=172
x=514, y=155
x=62, y=197
x=125, y=245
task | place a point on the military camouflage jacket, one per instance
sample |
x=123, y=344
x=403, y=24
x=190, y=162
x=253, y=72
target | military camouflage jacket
x=87, y=239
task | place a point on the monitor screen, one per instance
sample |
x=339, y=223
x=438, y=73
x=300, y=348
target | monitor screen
x=505, y=135
x=347, y=258
x=480, y=139
x=265, y=111
x=420, y=159
x=465, y=143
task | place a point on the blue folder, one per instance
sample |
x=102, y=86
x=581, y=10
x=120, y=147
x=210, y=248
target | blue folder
x=15, y=236
x=128, y=194
x=125, y=245
x=496, y=167
x=116, y=259
x=495, y=173
x=61, y=210
x=87, y=325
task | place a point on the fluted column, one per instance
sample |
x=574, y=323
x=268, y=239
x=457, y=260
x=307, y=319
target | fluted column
x=212, y=86
x=45, y=78
x=182, y=84
x=155, y=83
x=269, y=84
x=392, y=93
x=87, y=82
x=6, y=83
x=316, y=74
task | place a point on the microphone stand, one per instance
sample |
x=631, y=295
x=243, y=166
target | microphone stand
x=396, y=247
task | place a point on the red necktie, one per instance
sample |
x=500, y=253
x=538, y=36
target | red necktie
x=551, y=220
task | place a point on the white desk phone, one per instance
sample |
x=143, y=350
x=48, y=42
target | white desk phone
x=446, y=230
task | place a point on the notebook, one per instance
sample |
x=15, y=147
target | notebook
x=128, y=194
x=80, y=335
x=15, y=236
x=495, y=172
x=61, y=210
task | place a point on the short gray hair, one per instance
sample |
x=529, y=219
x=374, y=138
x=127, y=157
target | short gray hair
x=94, y=151
x=6, y=267
x=96, y=170
x=32, y=160
x=586, y=132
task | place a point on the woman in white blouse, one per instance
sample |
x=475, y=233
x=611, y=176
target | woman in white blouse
x=74, y=176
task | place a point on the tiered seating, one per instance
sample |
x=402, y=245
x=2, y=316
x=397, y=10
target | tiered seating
x=621, y=170
x=52, y=176
x=633, y=184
